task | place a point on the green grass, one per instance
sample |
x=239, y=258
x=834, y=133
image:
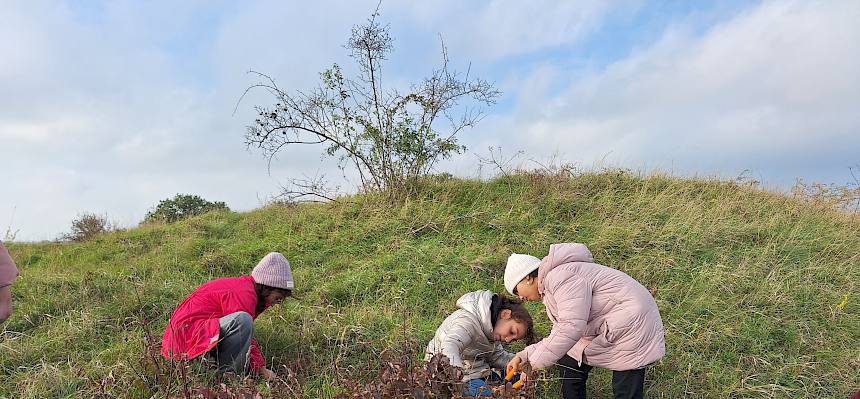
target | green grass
x=747, y=283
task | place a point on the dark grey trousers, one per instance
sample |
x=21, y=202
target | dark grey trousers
x=231, y=353
x=628, y=384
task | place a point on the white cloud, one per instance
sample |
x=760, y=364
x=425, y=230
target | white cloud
x=767, y=90
x=113, y=108
x=490, y=31
x=101, y=112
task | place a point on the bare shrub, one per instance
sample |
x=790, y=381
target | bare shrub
x=87, y=226
x=844, y=198
x=390, y=137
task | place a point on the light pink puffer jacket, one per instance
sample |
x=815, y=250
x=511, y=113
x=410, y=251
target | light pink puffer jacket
x=596, y=311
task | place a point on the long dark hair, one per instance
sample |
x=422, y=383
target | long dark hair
x=518, y=312
x=263, y=291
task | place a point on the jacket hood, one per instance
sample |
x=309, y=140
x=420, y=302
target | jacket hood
x=560, y=254
x=478, y=304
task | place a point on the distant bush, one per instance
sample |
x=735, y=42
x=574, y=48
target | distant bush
x=182, y=206
x=86, y=226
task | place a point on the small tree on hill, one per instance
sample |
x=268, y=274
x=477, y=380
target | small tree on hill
x=87, y=226
x=182, y=206
x=389, y=137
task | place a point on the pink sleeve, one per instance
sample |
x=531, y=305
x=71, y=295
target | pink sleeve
x=256, y=359
x=8, y=271
x=573, y=303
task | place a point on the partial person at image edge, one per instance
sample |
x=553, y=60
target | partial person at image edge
x=8, y=275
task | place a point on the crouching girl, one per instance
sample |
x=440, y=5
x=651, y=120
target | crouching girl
x=217, y=319
x=600, y=317
x=471, y=337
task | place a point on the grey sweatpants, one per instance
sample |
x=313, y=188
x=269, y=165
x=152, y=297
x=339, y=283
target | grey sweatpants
x=231, y=353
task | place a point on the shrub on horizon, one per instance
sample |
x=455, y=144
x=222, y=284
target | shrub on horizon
x=87, y=226
x=180, y=207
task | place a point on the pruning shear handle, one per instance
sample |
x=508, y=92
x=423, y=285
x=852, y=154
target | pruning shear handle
x=517, y=385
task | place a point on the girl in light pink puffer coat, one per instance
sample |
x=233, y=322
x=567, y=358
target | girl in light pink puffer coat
x=601, y=317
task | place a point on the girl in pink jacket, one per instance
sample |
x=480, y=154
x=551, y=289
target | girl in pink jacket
x=8, y=274
x=217, y=319
x=600, y=317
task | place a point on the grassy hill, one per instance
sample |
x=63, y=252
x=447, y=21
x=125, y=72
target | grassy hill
x=748, y=283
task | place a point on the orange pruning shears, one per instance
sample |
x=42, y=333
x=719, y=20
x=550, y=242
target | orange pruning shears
x=517, y=385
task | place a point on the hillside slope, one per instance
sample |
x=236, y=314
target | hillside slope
x=747, y=282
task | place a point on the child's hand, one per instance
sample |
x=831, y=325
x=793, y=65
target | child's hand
x=267, y=374
x=513, y=365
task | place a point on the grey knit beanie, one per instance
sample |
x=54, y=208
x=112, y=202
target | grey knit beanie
x=274, y=271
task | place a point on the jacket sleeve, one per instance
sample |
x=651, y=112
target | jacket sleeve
x=573, y=301
x=500, y=357
x=457, y=338
x=256, y=361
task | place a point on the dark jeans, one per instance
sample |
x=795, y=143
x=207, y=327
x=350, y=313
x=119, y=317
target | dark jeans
x=625, y=384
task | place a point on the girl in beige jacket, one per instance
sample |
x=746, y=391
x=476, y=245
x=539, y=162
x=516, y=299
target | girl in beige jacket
x=471, y=337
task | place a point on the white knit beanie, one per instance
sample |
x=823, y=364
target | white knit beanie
x=274, y=271
x=519, y=266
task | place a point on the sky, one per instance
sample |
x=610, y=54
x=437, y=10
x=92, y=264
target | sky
x=109, y=107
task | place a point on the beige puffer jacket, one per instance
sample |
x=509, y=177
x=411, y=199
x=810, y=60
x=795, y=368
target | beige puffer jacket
x=466, y=338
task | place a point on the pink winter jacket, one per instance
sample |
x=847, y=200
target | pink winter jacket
x=8, y=271
x=596, y=311
x=194, y=327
